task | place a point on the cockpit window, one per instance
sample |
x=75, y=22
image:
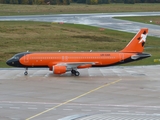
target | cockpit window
x=15, y=57
x=19, y=55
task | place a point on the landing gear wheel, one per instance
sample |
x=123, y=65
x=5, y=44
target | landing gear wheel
x=74, y=72
x=25, y=73
x=77, y=73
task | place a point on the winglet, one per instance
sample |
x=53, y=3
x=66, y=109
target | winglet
x=137, y=43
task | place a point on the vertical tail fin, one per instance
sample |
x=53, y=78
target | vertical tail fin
x=138, y=41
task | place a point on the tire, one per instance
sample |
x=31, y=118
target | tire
x=77, y=73
x=25, y=73
x=73, y=72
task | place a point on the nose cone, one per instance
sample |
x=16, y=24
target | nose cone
x=9, y=62
x=14, y=62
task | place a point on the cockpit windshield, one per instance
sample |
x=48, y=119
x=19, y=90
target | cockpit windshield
x=19, y=55
x=15, y=57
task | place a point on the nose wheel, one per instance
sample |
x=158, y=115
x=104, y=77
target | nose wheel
x=26, y=71
x=74, y=72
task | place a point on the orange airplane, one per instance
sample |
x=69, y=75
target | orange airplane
x=62, y=62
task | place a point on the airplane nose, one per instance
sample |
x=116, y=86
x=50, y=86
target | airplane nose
x=9, y=62
x=14, y=62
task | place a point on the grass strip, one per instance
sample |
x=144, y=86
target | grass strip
x=143, y=19
x=13, y=9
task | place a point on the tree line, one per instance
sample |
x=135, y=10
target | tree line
x=67, y=2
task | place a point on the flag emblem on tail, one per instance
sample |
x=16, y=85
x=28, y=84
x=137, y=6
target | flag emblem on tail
x=137, y=42
x=142, y=39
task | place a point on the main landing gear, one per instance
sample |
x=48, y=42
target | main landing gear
x=26, y=71
x=74, y=72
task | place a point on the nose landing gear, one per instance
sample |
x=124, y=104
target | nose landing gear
x=26, y=71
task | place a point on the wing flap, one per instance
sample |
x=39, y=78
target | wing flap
x=76, y=64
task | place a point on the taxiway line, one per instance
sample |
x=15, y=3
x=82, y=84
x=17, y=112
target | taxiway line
x=64, y=103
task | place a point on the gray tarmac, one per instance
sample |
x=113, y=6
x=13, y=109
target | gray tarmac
x=113, y=92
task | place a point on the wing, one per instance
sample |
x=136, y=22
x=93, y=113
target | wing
x=75, y=65
x=63, y=67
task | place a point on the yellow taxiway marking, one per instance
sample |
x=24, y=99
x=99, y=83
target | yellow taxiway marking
x=105, y=85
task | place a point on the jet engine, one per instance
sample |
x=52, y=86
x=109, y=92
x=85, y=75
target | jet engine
x=59, y=69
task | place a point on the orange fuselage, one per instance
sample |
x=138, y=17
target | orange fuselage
x=50, y=59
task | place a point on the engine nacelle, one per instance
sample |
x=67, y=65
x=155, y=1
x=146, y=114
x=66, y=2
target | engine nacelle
x=59, y=69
